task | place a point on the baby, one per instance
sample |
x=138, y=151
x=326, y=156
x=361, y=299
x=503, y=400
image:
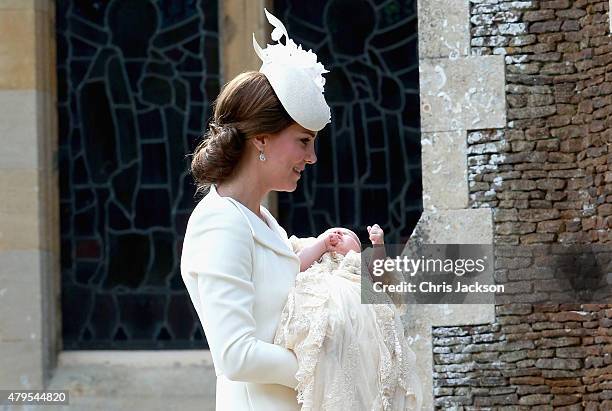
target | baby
x=350, y=355
x=338, y=239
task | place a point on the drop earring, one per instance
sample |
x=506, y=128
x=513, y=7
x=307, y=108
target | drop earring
x=262, y=157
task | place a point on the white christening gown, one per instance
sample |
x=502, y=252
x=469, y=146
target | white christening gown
x=351, y=356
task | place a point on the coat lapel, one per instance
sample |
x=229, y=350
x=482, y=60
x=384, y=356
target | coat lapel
x=272, y=235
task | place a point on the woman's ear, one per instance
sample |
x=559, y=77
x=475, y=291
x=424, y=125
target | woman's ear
x=259, y=142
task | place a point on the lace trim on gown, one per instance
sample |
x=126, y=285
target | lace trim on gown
x=307, y=324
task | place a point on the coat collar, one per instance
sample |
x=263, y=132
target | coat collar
x=271, y=234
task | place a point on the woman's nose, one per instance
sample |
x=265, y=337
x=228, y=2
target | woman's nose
x=311, y=156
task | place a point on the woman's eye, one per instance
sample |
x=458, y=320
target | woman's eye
x=305, y=140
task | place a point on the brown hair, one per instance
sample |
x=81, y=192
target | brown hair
x=247, y=106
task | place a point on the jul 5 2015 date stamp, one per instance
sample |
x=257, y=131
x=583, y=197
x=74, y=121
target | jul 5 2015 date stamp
x=33, y=397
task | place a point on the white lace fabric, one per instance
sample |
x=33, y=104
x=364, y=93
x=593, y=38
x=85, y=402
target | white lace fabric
x=339, y=342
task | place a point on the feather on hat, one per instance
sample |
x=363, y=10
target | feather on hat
x=296, y=77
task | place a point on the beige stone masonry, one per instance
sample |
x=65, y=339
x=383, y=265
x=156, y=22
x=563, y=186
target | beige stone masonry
x=25, y=59
x=443, y=31
x=444, y=170
x=458, y=93
x=18, y=110
x=239, y=19
x=466, y=93
x=29, y=206
x=20, y=322
x=114, y=380
x=39, y=5
x=19, y=226
x=468, y=226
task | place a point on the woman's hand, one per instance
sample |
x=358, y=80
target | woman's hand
x=377, y=235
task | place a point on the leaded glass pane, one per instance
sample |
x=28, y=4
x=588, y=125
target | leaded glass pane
x=369, y=157
x=136, y=79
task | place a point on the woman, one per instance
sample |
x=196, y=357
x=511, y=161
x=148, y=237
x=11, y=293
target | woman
x=237, y=262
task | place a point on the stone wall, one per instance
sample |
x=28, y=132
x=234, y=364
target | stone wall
x=547, y=174
x=30, y=331
x=532, y=357
x=553, y=273
x=547, y=179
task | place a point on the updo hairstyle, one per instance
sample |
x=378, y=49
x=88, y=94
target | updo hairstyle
x=247, y=106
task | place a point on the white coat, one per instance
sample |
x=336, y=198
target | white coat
x=238, y=271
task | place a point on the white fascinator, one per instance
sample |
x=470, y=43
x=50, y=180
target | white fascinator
x=296, y=77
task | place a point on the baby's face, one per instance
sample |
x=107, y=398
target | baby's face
x=348, y=240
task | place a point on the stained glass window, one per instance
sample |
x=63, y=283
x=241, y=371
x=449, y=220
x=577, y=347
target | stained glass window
x=135, y=82
x=369, y=157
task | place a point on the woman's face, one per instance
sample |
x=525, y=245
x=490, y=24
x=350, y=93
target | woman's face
x=287, y=154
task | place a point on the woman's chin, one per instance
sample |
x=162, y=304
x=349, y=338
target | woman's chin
x=287, y=188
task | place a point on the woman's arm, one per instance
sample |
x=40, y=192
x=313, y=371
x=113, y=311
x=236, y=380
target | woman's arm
x=218, y=252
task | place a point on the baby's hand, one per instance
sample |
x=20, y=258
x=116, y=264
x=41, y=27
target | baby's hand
x=331, y=240
x=377, y=235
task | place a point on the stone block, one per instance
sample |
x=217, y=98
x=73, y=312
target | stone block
x=137, y=380
x=555, y=157
x=418, y=332
x=18, y=129
x=443, y=34
x=514, y=309
x=41, y=5
x=546, y=26
x=438, y=315
x=555, y=4
x=462, y=94
x=536, y=215
x=469, y=226
x=19, y=210
x=514, y=228
x=539, y=15
x=20, y=281
x=21, y=365
x=559, y=363
x=503, y=215
x=239, y=19
x=27, y=53
x=555, y=226
x=444, y=170
x=535, y=399
x=557, y=342
x=536, y=238
x=17, y=49
x=522, y=185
